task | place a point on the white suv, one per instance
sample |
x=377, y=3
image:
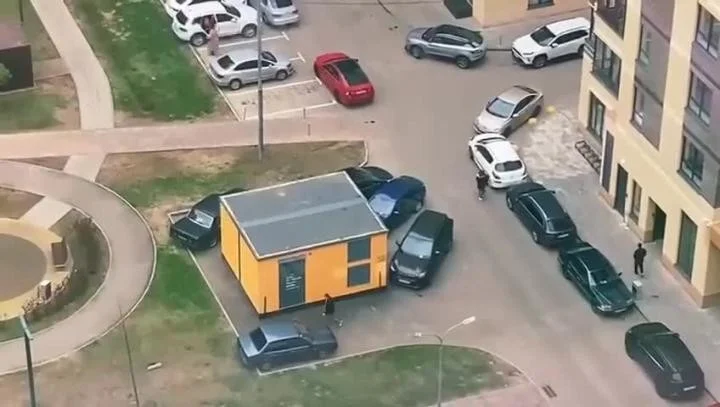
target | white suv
x=173, y=6
x=551, y=41
x=231, y=21
x=496, y=156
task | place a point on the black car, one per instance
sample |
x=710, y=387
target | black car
x=422, y=250
x=665, y=358
x=368, y=179
x=199, y=228
x=398, y=199
x=277, y=343
x=541, y=213
x=596, y=279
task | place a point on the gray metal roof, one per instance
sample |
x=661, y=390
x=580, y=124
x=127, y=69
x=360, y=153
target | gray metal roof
x=302, y=214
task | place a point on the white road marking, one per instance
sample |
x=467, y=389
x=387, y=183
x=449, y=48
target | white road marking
x=253, y=41
x=284, y=34
x=296, y=110
x=270, y=88
x=299, y=55
x=318, y=80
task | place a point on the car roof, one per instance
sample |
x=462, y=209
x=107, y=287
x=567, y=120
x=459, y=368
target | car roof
x=590, y=257
x=548, y=202
x=452, y=29
x=398, y=187
x=278, y=330
x=562, y=26
x=243, y=54
x=428, y=223
x=517, y=93
x=502, y=150
x=204, y=8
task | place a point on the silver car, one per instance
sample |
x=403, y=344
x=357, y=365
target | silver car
x=459, y=44
x=279, y=12
x=510, y=110
x=240, y=67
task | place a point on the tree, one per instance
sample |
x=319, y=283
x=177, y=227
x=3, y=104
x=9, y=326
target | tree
x=5, y=75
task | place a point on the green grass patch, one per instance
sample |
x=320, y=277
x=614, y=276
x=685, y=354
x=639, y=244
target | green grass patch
x=152, y=74
x=40, y=42
x=30, y=109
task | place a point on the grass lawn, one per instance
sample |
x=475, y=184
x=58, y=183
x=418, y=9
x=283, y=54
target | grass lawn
x=42, y=46
x=30, y=109
x=152, y=74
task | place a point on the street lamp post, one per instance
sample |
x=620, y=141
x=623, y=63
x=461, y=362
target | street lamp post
x=260, y=107
x=441, y=341
x=27, y=335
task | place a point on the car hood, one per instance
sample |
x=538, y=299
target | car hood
x=416, y=34
x=615, y=294
x=410, y=266
x=526, y=44
x=247, y=346
x=489, y=123
x=282, y=11
x=323, y=336
x=188, y=228
x=215, y=66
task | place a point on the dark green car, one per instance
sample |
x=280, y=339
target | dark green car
x=596, y=279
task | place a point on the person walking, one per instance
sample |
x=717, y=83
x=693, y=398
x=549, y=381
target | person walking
x=481, y=181
x=213, y=38
x=639, y=260
x=329, y=310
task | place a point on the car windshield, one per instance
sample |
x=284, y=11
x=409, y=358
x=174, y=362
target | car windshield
x=258, y=338
x=181, y=1
x=352, y=72
x=283, y=3
x=418, y=246
x=382, y=204
x=225, y=62
x=232, y=10
x=269, y=57
x=542, y=36
x=201, y=218
x=181, y=17
x=508, y=166
x=602, y=276
x=500, y=108
x=427, y=34
x=559, y=225
x=302, y=330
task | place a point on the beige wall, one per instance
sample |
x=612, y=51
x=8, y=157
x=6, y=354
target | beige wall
x=656, y=170
x=495, y=12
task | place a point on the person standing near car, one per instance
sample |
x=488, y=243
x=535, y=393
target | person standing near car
x=329, y=310
x=639, y=260
x=213, y=38
x=481, y=181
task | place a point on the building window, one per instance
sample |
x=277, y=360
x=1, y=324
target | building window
x=358, y=275
x=644, y=52
x=539, y=3
x=691, y=163
x=700, y=99
x=596, y=118
x=606, y=66
x=686, y=246
x=638, y=116
x=636, y=200
x=358, y=249
x=708, y=32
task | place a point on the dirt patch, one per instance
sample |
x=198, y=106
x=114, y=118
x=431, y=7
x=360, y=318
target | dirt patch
x=67, y=112
x=221, y=113
x=14, y=204
x=56, y=163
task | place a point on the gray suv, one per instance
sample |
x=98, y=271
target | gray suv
x=459, y=44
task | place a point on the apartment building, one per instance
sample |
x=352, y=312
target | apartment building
x=650, y=97
x=495, y=12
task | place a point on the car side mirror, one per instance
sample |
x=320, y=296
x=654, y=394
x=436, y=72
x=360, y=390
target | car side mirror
x=553, y=45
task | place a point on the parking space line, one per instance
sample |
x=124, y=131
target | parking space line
x=297, y=109
x=284, y=34
x=254, y=41
x=318, y=80
x=268, y=88
x=301, y=57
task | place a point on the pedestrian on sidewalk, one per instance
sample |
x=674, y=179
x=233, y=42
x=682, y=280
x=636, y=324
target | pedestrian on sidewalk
x=481, y=181
x=639, y=260
x=329, y=310
x=213, y=38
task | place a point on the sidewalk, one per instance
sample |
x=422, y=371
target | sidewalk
x=519, y=395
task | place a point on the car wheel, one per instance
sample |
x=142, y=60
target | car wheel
x=266, y=366
x=281, y=75
x=506, y=132
x=564, y=272
x=249, y=31
x=509, y=203
x=235, y=84
x=535, y=237
x=539, y=61
x=214, y=242
x=536, y=112
x=417, y=52
x=462, y=62
x=198, y=40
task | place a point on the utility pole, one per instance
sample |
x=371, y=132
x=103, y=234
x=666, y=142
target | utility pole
x=261, y=118
x=28, y=357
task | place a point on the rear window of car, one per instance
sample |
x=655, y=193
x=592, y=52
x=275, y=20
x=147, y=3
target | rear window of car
x=181, y=17
x=473, y=36
x=508, y=166
x=283, y=3
x=557, y=225
x=258, y=338
x=352, y=72
x=225, y=62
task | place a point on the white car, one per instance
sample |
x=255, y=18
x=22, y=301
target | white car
x=279, y=12
x=173, y=6
x=496, y=156
x=231, y=21
x=552, y=41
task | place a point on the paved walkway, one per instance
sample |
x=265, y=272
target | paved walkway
x=132, y=262
x=93, y=91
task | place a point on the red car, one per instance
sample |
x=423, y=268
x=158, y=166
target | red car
x=344, y=78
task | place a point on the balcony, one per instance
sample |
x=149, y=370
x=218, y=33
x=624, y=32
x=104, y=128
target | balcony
x=613, y=13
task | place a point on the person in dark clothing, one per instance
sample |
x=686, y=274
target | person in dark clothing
x=329, y=309
x=481, y=181
x=639, y=259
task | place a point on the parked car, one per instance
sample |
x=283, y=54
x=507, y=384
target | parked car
x=368, y=179
x=665, y=358
x=173, y=6
x=596, y=279
x=239, y=67
x=422, y=250
x=510, y=110
x=552, y=41
x=540, y=212
x=199, y=228
x=344, y=78
x=276, y=343
x=447, y=41
x=231, y=21
x=279, y=12
x=496, y=156
x=397, y=200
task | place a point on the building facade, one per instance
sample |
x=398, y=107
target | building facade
x=494, y=12
x=650, y=98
